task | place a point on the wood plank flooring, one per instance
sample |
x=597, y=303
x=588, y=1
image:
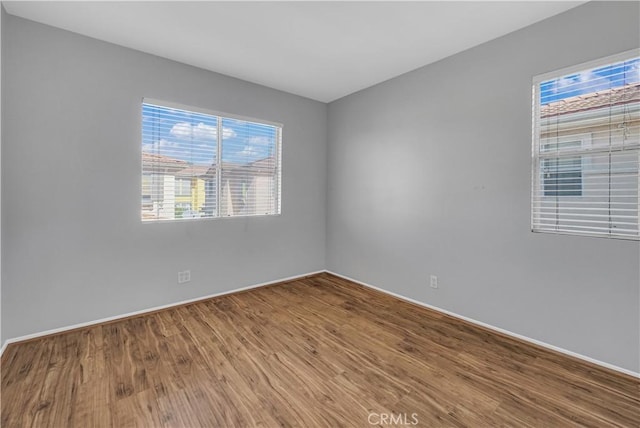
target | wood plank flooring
x=314, y=352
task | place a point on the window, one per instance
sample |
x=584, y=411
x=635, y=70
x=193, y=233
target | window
x=183, y=187
x=198, y=164
x=586, y=149
x=562, y=177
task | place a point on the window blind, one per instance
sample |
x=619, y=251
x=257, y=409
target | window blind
x=198, y=164
x=586, y=149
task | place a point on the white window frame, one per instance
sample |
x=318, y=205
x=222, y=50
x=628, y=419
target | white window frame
x=221, y=116
x=537, y=142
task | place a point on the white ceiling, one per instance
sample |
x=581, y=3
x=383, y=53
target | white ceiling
x=319, y=50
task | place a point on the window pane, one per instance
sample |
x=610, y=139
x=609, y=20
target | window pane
x=249, y=169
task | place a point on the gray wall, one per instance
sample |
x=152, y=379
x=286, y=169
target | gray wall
x=429, y=174
x=74, y=248
x=1, y=20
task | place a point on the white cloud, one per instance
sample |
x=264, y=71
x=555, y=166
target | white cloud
x=181, y=130
x=259, y=140
x=582, y=83
x=161, y=144
x=201, y=131
x=205, y=132
x=228, y=133
x=249, y=151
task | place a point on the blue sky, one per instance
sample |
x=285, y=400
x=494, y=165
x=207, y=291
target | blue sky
x=593, y=80
x=192, y=137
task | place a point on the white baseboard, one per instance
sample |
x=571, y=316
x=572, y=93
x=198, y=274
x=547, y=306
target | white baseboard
x=399, y=296
x=144, y=311
x=494, y=328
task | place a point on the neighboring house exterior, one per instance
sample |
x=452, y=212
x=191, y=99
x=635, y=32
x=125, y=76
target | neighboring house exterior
x=588, y=133
x=173, y=189
x=190, y=189
x=158, y=185
x=248, y=189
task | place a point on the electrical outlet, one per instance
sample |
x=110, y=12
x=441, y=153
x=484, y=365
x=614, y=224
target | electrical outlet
x=184, y=276
x=433, y=281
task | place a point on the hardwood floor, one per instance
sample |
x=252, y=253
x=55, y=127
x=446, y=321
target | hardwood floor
x=315, y=352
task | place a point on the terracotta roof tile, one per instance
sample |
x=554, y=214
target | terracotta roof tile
x=610, y=97
x=194, y=171
x=180, y=168
x=161, y=160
